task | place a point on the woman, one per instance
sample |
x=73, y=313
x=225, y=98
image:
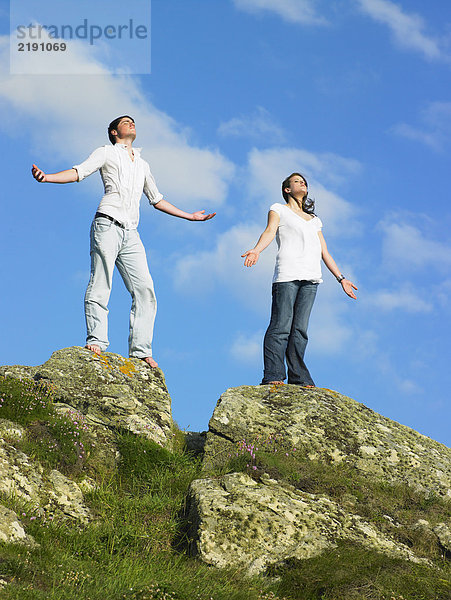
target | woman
x=296, y=277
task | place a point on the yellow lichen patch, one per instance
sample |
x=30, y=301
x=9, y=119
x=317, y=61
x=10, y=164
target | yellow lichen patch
x=105, y=362
x=128, y=368
x=275, y=387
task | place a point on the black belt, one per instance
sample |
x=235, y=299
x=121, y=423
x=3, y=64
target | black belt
x=109, y=219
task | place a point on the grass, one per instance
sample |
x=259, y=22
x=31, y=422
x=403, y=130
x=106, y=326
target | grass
x=350, y=572
x=54, y=439
x=128, y=551
x=24, y=401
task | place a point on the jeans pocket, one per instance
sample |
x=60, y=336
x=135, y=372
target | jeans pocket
x=101, y=225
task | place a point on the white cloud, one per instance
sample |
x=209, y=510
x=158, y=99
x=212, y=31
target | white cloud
x=434, y=129
x=404, y=298
x=268, y=168
x=407, y=386
x=417, y=135
x=247, y=348
x=407, y=28
x=222, y=266
x=257, y=126
x=406, y=247
x=203, y=272
x=65, y=118
x=331, y=328
x=330, y=331
x=303, y=12
x=443, y=294
x=438, y=115
x=392, y=374
x=78, y=58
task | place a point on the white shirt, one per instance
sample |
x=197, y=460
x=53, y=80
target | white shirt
x=299, y=254
x=124, y=181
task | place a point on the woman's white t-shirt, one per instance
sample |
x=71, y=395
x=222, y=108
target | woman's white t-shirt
x=299, y=254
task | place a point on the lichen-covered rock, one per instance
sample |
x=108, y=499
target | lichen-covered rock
x=235, y=521
x=10, y=431
x=11, y=529
x=443, y=532
x=325, y=425
x=53, y=493
x=111, y=391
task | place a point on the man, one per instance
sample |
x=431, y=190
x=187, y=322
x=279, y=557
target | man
x=115, y=239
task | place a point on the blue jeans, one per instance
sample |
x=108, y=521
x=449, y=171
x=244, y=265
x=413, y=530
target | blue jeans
x=110, y=246
x=286, y=336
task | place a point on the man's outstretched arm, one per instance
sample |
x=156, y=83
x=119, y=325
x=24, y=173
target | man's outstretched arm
x=170, y=209
x=68, y=176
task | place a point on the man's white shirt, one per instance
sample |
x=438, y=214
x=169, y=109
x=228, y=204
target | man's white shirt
x=124, y=180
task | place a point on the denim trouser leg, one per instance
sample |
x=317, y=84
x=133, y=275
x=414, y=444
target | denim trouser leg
x=112, y=245
x=276, y=337
x=297, y=342
x=105, y=244
x=286, y=335
x=132, y=265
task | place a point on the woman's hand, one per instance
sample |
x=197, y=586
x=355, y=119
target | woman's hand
x=348, y=286
x=250, y=258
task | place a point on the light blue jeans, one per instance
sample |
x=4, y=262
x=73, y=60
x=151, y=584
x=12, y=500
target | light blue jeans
x=286, y=336
x=111, y=245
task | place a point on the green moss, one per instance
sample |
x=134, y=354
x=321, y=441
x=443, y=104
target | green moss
x=127, y=552
x=24, y=401
x=394, y=508
x=349, y=572
x=56, y=440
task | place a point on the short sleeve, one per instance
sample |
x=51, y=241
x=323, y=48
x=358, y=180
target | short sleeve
x=276, y=208
x=91, y=164
x=150, y=187
x=318, y=223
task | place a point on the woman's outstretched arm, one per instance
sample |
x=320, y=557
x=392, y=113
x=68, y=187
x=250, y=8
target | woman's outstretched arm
x=251, y=256
x=347, y=285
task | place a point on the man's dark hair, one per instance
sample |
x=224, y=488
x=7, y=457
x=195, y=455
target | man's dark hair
x=114, y=124
x=308, y=205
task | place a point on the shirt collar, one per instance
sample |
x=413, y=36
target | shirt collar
x=124, y=147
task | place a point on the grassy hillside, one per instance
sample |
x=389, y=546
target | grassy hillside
x=130, y=549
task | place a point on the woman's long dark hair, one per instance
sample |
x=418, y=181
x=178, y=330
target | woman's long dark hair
x=308, y=205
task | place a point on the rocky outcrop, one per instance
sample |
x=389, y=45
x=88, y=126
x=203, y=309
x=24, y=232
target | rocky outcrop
x=256, y=522
x=237, y=521
x=11, y=529
x=327, y=426
x=112, y=392
x=234, y=519
x=44, y=492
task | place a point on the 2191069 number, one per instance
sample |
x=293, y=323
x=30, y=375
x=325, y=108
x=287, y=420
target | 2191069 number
x=41, y=47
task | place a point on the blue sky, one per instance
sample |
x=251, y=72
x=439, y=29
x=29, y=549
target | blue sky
x=355, y=94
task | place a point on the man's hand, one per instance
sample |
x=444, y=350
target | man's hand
x=67, y=176
x=348, y=286
x=250, y=258
x=201, y=216
x=38, y=174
